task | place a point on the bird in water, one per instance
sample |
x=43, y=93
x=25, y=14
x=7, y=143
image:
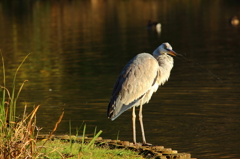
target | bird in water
x=139, y=79
x=154, y=25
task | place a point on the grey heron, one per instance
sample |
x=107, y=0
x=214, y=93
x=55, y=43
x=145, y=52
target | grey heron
x=139, y=79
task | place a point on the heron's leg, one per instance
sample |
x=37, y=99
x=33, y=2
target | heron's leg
x=134, y=125
x=141, y=123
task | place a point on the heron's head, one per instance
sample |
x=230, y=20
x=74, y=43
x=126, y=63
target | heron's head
x=166, y=49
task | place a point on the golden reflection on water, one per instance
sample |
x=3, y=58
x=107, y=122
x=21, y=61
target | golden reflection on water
x=78, y=48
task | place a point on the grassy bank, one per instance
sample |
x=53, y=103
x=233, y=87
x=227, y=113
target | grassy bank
x=63, y=149
x=19, y=136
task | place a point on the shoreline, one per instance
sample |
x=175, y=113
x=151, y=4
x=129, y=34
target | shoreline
x=157, y=152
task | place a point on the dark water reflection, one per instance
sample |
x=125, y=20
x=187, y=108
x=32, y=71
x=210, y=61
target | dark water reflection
x=78, y=48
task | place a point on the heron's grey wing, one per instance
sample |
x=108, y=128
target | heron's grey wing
x=136, y=78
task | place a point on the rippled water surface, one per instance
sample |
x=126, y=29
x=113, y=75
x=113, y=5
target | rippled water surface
x=78, y=49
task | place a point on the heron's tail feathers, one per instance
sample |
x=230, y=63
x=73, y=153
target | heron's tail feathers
x=116, y=107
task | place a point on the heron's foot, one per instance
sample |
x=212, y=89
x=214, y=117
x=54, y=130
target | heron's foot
x=146, y=144
x=137, y=144
x=141, y=144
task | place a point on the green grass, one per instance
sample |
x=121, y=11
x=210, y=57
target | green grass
x=62, y=149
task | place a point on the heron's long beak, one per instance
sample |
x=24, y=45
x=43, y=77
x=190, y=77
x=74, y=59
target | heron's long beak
x=173, y=53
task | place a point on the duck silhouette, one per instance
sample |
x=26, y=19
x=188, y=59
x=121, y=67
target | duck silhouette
x=154, y=25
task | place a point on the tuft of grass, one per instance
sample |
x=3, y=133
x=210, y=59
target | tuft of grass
x=83, y=146
x=18, y=136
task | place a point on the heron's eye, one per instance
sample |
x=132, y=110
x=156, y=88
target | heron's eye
x=165, y=47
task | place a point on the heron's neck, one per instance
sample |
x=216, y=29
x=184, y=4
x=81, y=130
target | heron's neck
x=165, y=66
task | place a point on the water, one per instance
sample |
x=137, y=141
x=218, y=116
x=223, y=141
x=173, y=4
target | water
x=78, y=49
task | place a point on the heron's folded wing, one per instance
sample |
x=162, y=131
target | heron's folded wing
x=134, y=81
